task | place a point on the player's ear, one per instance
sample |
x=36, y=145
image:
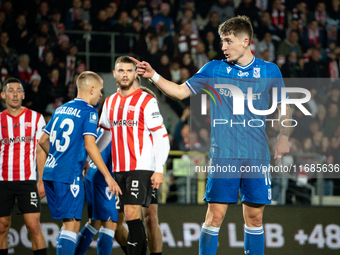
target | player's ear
x=3, y=95
x=114, y=73
x=246, y=42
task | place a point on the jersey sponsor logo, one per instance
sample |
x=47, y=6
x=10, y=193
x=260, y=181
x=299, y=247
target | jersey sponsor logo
x=68, y=111
x=108, y=194
x=17, y=139
x=242, y=74
x=257, y=72
x=74, y=189
x=50, y=161
x=229, y=69
x=119, y=123
x=228, y=93
x=155, y=114
x=93, y=117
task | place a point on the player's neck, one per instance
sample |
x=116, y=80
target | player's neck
x=16, y=111
x=246, y=58
x=125, y=93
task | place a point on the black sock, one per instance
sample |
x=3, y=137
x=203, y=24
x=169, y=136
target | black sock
x=145, y=246
x=40, y=252
x=3, y=251
x=156, y=253
x=136, y=238
x=124, y=249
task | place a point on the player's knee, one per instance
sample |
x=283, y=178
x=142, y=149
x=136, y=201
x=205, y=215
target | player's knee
x=215, y=218
x=34, y=229
x=131, y=213
x=4, y=227
x=151, y=219
x=255, y=221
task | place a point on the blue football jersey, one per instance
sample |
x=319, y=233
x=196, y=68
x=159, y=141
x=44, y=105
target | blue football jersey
x=67, y=127
x=93, y=174
x=238, y=136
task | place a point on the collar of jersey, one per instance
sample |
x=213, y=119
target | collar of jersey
x=131, y=94
x=83, y=100
x=242, y=67
x=12, y=116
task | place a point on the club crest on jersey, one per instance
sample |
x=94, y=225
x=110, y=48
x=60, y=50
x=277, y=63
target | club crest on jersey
x=108, y=194
x=242, y=74
x=131, y=108
x=229, y=69
x=93, y=117
x=28, y=125
x=256, y=72
x=74, y=189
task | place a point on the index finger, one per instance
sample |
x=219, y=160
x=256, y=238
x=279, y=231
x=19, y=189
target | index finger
x=135, y=60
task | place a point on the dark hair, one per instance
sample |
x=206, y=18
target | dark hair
x=125, y=59
x=236, y=26
x=10, y=80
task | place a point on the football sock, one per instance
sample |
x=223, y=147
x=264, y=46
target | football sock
x=84, y=239
x=3, y=251
x=253, y=240
x=208, y=240
x=66, y=242
x=136, y=239
x=105, y=241
x=40, y=252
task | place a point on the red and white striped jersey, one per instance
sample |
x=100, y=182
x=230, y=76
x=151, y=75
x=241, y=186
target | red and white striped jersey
x=18, y=137
x=130, y=120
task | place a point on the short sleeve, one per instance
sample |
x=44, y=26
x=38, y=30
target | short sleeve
x=152, y=116
x=41, y=125
x=277, y=82
x=196, y=82
x=104, y=117
x=90, y=123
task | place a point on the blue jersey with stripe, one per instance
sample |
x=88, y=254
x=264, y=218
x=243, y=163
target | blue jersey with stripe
x=238, y=136
x=67, y=128
x=93, y=173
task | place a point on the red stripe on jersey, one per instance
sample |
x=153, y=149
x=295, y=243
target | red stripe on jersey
x=131, y=141
x=110, y=111
x=155, y=128
x=28, y=133
x=5, y=156
x=141, y=122
x=120, y=141
x=16, y=148
x=165, y=135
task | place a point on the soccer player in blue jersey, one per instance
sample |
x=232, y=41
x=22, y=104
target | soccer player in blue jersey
x=241, y=145
x=67, y=139
x=101, y=209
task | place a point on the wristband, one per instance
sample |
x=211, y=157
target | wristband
x=155, y=77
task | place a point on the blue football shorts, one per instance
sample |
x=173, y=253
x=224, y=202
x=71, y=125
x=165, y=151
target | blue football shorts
x=228, y=177
x=101, y=205
x=65, y=201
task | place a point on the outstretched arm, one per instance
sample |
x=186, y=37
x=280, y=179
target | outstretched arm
x=171, y=89
x=282, y=146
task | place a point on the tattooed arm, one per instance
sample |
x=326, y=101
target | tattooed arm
x=282, y=146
